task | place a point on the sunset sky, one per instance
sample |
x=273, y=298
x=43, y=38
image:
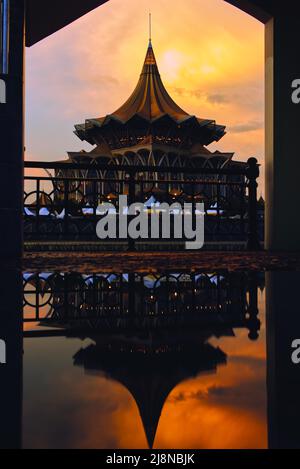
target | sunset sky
x=210, y=56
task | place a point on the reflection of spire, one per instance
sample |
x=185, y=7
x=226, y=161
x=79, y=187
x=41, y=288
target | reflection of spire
x=151, y=368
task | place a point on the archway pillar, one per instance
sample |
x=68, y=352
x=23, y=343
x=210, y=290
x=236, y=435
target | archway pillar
x=282, y=156
x=11, y=300
x=283, y=377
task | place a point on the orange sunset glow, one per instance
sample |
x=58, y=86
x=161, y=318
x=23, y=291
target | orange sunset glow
x=211, y=60
x=210, y=57
x=150, y=243
x=222, y=409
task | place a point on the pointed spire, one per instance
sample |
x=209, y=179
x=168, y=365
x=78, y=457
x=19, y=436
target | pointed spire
x=150, y=60
x=151, y=101
x=150, y=29
x=150, y=432
x=150, y=57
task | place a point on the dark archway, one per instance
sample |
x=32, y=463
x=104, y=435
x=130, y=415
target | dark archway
x=259, y=9
x=282, y=69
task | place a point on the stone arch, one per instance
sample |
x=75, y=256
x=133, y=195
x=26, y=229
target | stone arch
x=257, y=8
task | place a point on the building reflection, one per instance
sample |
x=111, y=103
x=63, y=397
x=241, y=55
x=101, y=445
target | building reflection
x=150, y=367
x=149, y=332
x=71, y=301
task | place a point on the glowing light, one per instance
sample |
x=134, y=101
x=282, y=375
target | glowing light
x=207, y=69
x=171, y=63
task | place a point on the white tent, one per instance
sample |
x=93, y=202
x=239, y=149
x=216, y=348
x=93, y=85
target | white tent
x=28, y=212
x=44, y=212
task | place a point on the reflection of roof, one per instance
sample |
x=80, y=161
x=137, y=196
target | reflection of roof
x=150, y=103
x=150, y=372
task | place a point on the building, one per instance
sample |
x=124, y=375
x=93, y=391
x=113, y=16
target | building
x=282, y=167
x=149, y=332
x=150, y=129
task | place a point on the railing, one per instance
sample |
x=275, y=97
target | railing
x=63, y=204
x=74, y=301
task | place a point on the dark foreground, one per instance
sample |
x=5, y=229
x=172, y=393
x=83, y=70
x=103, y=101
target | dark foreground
x=150, y=350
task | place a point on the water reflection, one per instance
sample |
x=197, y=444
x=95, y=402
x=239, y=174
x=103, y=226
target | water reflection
x=170, y=360
x=173, y=360
x=130, y=301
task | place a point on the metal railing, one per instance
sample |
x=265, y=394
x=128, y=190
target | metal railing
x=63, y=204
x=119, y=301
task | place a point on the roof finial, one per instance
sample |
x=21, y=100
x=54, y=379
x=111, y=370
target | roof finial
x=150, y=28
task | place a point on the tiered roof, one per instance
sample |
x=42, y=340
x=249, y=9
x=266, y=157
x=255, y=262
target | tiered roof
x=149, y=110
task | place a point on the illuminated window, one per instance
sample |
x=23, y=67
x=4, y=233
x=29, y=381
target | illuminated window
x=4, y=36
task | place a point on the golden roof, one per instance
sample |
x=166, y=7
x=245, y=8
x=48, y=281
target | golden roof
x=150, y=103
x=150, y=98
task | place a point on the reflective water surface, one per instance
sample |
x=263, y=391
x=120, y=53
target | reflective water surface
x=164, y=360
x=172, y=360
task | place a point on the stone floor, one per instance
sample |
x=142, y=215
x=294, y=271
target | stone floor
x=159, y=261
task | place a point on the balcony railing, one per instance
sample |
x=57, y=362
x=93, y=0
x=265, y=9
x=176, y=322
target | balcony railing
x=62, y=202
x=118, y=301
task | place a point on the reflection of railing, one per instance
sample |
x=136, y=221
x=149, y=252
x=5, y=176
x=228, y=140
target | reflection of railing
x=67, y=204
x=121, y=301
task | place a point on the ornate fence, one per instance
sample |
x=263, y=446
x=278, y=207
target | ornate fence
x=63, y=202
x=111, y=302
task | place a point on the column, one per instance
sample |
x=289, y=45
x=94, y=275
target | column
x=282, y=130
x=11, y=294
x=11, y=131
x=283, y=376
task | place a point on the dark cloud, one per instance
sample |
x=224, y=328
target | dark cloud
x=249, y=126
x=198, y=94
x=180, y=397
x=218, y=98
x=103, y=80
x=249, y=393
x=180, y=91
x=214, y=98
